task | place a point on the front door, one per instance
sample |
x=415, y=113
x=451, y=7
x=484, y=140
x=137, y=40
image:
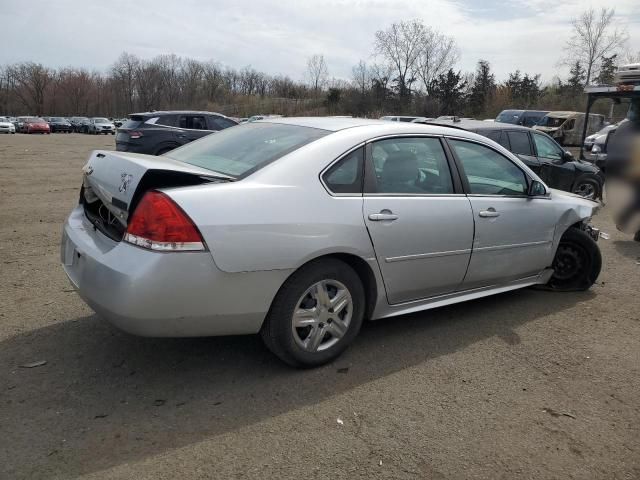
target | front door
x=513, y=232
x=420, y=225
x=555, y=171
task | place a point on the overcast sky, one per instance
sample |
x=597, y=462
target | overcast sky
x=276, y=36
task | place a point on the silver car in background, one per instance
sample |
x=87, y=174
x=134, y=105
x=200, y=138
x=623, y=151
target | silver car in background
x=300, y=228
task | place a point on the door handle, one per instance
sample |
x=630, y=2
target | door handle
x=489, y=213
x=379, y=217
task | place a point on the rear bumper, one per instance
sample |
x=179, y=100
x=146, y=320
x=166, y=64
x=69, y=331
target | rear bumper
x=131, y=147
x=157, y=294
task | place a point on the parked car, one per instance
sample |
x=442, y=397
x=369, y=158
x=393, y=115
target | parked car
x=301, y=228
x=566, y=127
x=79, y=124
x=156, y=133
x=118, y=122
x=542, y=154
x=597, y=148
x=526, y=118
x=35, y=125
x=19, y=123
x=6, y=126
x=60, y=124
x=100, y=125
x=627, y=74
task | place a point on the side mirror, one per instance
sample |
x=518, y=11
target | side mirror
x=567, y=156
x=536, y=189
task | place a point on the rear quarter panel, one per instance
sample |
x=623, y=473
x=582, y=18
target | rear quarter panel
x=281, y=216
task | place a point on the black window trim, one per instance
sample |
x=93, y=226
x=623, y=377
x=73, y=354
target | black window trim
x=370, y=183
x=465, y=180
x=338, y=160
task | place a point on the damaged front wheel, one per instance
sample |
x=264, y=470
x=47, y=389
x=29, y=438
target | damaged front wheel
x=577, y=263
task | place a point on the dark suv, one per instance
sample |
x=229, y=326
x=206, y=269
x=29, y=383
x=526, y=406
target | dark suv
x=542, y=154
x=155, y=133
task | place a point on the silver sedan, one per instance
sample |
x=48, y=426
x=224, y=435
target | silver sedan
x=300, y=228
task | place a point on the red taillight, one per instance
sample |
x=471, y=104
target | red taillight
x=158, y=223
x=135, y=134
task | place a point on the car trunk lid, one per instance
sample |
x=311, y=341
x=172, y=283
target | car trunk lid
x=114, y=182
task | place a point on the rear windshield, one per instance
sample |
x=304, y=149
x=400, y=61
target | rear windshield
x=131, y=123
x=240, y=151
x=509, y=116
x=548, y=121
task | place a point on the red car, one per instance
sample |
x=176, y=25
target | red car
x=35, y=125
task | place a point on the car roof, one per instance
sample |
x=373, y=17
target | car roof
x=327, y=123
x=174, y=112
x=377, y=127
x=478, y=125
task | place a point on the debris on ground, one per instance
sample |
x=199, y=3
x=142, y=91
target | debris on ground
x=39, y=363
x=340, y=422
x=553, y=413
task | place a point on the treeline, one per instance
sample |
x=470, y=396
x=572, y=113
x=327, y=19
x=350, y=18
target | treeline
x=412, y=72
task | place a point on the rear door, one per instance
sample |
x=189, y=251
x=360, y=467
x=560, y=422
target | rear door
x=520, y=144
x=192, y=127
x=418, y=218
x=513, y=232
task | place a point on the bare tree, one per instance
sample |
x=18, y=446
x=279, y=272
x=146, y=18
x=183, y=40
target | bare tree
x=438, y=53
x=594, y=36
x=32, y=80
x=401, y=45
x=361, y=76
x=317, y=72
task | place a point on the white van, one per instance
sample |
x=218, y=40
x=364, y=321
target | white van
x=566, y=127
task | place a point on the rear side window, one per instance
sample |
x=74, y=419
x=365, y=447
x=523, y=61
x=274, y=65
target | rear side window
x=488, y=172
x=411, y=166
x=220, y=123
x=240, y=151
x=520, y=143
x=167, y=120
x=193, y=122
x=346, y=175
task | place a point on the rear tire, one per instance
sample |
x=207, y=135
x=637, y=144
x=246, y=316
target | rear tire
x=316, y=314
x=577, y=263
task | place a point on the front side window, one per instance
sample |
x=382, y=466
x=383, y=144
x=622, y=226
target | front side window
x=520, y=143
x=546, y=147
x=411, y=166
x=487, y=171
x=238, y=152
x=220, y=123
x=346, y=175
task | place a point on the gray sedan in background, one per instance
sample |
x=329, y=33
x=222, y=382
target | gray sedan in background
x=301, y=228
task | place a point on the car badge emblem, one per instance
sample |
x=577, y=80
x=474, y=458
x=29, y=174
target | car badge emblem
x=87, y=169
x=125, y=180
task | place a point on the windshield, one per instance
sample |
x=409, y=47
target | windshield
x=553, y=122
x=509, y=116
x=57, y=119
x=240, y=151
x=35, y=120
x=101, y=120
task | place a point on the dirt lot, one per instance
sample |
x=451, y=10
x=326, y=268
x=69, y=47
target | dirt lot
x=527, y=384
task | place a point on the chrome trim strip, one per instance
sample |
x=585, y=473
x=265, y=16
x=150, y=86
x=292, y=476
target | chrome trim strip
x=419, y=256
x=513, y=245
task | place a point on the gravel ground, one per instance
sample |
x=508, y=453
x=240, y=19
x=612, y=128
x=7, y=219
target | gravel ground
x=527, y=384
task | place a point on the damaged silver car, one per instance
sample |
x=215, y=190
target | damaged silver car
x=301, y=228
